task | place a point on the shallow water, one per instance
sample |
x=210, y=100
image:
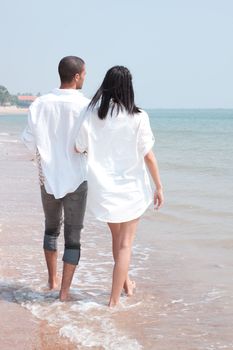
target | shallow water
x=182, y=258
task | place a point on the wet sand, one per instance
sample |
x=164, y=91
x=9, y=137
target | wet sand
x=20, y=330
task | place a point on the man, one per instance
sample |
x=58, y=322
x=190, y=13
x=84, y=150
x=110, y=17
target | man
x=53, y=123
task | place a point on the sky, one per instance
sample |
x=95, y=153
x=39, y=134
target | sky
x=180, y=52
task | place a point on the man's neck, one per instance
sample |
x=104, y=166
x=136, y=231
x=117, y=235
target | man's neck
x=68, y=86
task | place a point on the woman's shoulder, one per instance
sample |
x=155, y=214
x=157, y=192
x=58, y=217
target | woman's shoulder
x=138, y=115
x=91, y=118
x=142, y=113
x=141, y=116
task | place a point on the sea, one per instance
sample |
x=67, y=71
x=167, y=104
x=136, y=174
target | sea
x=182, y=259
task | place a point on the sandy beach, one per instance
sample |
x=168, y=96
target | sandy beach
x=14, y=110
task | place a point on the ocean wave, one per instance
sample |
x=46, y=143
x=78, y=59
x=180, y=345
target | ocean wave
x=84, y=322
x=9, y=140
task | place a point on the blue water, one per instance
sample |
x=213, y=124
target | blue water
x=182, y=256
x=12, y=124
x=196, y=140
x=194, y=149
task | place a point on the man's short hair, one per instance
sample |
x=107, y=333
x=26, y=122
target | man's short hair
x=68, y=67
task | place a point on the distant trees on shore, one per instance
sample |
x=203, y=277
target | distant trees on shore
x=6, y=99
x=5, y=96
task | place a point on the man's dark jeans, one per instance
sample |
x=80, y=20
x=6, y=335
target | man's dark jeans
x=74, y=206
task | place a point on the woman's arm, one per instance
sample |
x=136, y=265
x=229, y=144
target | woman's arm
x=153, y=168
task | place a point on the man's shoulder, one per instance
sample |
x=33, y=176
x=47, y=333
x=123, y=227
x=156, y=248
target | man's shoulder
x=70, y=96
x=85, y=100
x=79, y=98
x=41, y=99
x=55, y=97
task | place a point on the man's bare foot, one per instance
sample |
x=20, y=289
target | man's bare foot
x=64, y=295
x=53, y=284
x=67, y=297
x=129, y=287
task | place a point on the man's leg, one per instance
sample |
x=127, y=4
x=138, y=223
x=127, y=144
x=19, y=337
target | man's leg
x=74, y=210
x=53, y=219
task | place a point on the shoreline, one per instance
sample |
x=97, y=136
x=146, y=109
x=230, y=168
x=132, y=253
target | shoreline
x=19, y=328
x=12, y=110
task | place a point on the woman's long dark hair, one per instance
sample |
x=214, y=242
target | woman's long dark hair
x=116, y=87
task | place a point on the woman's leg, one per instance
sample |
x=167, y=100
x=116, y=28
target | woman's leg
x=124, y=238
x=115, y=228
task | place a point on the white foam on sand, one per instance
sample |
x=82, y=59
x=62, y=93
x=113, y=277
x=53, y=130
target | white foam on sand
x=87, y=320
x=9, y=141
x=84, y=322
x=111, y=341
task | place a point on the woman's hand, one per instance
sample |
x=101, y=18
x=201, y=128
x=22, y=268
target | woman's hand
x=158, y=199
x=76, y=150
x=153, y=168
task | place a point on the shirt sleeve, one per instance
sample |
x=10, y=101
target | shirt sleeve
x=81, y=142
x=145, y=135
x=28, y=135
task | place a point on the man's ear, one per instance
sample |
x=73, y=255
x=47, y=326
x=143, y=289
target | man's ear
x=77, y=77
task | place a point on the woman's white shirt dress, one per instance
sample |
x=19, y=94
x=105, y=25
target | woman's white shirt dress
x=119, y=188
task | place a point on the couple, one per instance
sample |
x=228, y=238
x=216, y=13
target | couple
x=113, y=136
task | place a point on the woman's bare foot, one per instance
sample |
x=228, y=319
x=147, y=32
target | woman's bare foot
x=129, y=287
x=113, y=303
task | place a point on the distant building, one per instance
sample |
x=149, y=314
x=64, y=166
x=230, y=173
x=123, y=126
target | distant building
x=25, y=100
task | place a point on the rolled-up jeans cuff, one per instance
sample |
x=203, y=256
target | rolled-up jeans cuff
x=50, y=242
x=71, y=256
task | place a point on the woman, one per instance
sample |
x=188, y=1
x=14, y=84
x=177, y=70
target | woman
x=118, y=139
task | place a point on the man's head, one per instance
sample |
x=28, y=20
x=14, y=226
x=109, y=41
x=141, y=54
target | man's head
x=72, y=71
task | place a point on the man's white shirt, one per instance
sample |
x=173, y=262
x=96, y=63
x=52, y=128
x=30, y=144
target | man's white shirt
x=54, y=121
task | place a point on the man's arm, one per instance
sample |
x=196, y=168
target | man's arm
x=28, y=136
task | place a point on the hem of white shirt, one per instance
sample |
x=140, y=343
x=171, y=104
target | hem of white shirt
x=130, y=218
x=60, y=195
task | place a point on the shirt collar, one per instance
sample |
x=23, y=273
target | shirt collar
x=58, y=91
